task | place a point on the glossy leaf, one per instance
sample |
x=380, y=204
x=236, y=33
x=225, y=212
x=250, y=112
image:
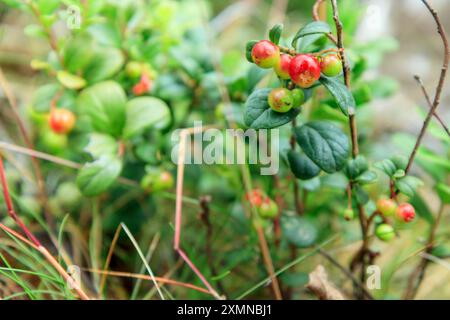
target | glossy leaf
x=101, y=144
x=143, y=113
x=96, y=177
x=104, y=103
x=324, y=143
x=340, y=93
x=70, y=81
x=315, y=27
x=275, y=33
x=302, y=167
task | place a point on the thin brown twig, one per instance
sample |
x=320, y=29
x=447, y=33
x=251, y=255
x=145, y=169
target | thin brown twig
x=418, y=273
x=347, y=273
x=437, y=96
x=146, y=277
x=430, y=103
x=316, y=16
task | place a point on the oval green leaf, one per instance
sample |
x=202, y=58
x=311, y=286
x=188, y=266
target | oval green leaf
x=324, y=143
x=301, y=166
x=275, y=33
x=104, y=103
x=315, y=27
x=96, y=177
x=340, y=93
x=143, y=113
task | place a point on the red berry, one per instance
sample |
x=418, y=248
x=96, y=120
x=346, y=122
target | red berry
x=61, y=120
x=282, y=67
x=143, y=86
x=386, y=206
x=406, y=212
x=304, y=70
x=331, y=65
x=255, y=197
x=265, y=54
x=281, y=100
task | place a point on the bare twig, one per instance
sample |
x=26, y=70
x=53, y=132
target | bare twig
x=161, y=280
x=317, y=17
x=204, y=217
x=418, y=274
x=437, y=96
x=430, y=103
x=347, y=273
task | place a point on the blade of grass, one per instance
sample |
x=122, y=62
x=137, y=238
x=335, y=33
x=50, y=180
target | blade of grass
x=286, y=267
x=141, y=255
x=148, y=257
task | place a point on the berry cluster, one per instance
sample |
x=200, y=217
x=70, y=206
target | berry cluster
x=266, y=207
x=303, y=70
x=387, y=208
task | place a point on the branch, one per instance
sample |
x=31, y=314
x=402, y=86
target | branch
x=316, y=17
x=430, y=104
x=439, y=87
x=347, y=273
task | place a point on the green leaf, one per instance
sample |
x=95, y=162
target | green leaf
x=101, y=144
x=44, y=95
x=302, y=167
x=275, y=33
x=356, y=166
x=399, y=173
x=422, y=208
x=76, y=57
x=408, y=185
x=299, y=231
x=367, y=177
x=96, y=177
x=104, y=103
x=248, y=49
x=441, y=251
x=143, y=113
x=324, y=143
x=387, y=166
x=104, y=63
x=259, y=115
x=443, y=190
x=70, y=81
x=340, y=93
x=400, y=162
x=315, y=27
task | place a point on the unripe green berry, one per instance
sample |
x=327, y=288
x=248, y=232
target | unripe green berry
x=387, y=207
x=299, y=97
x=331, y=65
x=53, y=142
x=133, y=69
x=348, y=214
x=68, y=195
x=268, y=209
x=281, y=100
x=385, y=232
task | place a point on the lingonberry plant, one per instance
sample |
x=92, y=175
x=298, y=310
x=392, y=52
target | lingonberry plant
x=113, y=90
